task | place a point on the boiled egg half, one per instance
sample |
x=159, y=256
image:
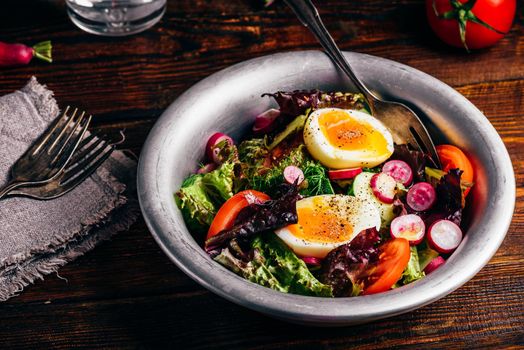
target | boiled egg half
x=341, y=138
x=326, y=222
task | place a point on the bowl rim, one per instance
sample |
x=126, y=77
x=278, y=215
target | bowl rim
x=304, y=309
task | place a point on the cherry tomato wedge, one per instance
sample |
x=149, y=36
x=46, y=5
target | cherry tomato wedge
x=452, y=157
x=228, y=212
x=393, y=259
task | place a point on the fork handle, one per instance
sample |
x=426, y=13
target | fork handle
x=307, y=13
x=9, y=187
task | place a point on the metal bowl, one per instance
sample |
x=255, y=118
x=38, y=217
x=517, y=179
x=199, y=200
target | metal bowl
x=227, y=101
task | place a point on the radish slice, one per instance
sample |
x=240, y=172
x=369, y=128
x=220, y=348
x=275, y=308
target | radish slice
x=410, y=227
x=433, y=264
x=383, y=187
x=206, y=168
x=344, y=174
x=312, y=261
x=444, y=236
x=292, y=173
x=421, y=196
x=264, y=121
x=211, y=150
x=399, y=170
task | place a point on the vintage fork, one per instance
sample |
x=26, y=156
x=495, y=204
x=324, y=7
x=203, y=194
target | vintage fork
x=403, y=123
x=92, y=152
x=50, y=153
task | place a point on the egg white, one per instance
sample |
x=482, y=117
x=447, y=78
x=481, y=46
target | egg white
x=359, y=213
x=332, y=157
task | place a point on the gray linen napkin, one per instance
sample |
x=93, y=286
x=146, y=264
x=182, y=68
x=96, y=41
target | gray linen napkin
x=37, y=237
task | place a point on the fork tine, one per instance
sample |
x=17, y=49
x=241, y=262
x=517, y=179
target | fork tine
x=86, y=141
x=85, y=149
x=61, y=122
x=59, y=140
x=55, y=140
x=62, y=158
x=67, y=150
x=86, y=159
x=87, y=167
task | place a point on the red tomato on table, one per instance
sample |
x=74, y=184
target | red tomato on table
x=472, y=24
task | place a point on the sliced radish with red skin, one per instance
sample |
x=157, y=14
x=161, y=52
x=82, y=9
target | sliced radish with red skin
x=410, y=227
x=312, y=261
x=399, y=170
x=444, y=236
x=211, y=150
x=206, y=168
x=293, y=174
x=434, y=264
x=383, y=187
x=421, y=196
x=344, y=174
x=264, y=121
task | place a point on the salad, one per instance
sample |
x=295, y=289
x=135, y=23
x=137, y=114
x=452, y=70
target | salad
x=318, y=200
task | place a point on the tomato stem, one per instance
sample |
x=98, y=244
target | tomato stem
x=463, y=13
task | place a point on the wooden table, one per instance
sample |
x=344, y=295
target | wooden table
x=126, y=293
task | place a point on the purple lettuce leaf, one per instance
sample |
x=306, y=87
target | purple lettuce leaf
x=342, y=266
x=292, y=104
x=450, y=200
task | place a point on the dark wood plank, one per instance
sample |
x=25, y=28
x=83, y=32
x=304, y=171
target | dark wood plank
x=127, y=294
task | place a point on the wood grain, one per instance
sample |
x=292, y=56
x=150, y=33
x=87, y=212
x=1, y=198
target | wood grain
x=127, y=294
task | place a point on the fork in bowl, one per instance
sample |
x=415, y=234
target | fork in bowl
x=50, y=153
x=405, y=125
x=91, y=153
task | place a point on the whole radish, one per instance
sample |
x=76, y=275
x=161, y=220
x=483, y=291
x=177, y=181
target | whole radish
x=20, y=54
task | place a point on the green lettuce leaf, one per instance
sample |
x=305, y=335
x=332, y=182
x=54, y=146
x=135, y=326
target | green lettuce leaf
x=197, y=207
x=412, y=272
x=264, y=179
x=255, y=270
x=252, y=151
x=201, y=195
x=219, y=182
x=275, y=266
x=425, y=255
x=291, y=271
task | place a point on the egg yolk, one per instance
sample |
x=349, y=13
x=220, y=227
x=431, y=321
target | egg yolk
x=346, y=133
x=321, y=223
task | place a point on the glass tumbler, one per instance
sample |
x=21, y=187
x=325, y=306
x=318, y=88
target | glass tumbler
x=115, y=17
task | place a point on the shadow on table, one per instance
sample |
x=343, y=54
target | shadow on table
x=203, y=320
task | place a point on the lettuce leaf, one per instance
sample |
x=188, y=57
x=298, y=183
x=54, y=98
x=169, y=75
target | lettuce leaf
x=266, y=178
x=295, y=103
x=275, y=266
x=291, y=271
x=256, y=270
x=258, y=218
x=292, y=104
x=413, y=272
x=344, y=265
x=200, y=195
x=425, y=255
x=450, y=200
x=195, y=204
x=219, y=182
